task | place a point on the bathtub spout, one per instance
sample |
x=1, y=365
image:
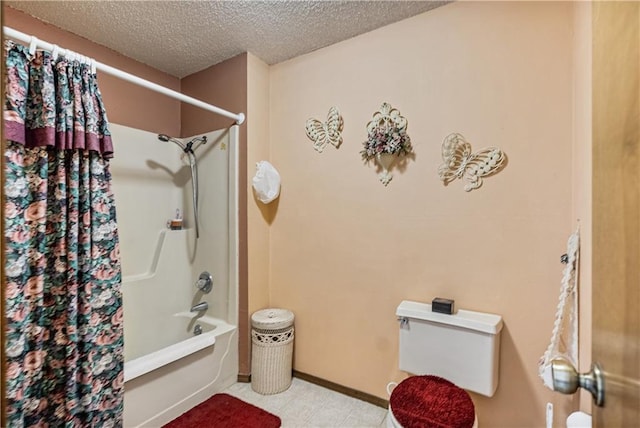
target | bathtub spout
x=203, y=306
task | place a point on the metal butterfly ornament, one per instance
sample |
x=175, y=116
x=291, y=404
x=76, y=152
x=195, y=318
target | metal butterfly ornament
x=460, y=162
x=323, y=133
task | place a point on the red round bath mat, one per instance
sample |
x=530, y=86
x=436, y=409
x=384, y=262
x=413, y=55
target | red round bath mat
x=225, y=411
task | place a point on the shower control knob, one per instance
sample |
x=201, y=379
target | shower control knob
x=205, y=282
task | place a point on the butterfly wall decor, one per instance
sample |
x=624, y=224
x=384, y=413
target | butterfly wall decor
x=323, y=133
x=460, y=162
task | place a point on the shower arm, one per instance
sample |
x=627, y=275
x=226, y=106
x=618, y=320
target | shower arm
x=198, y=142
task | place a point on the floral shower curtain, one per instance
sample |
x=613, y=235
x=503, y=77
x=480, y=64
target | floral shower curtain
x=63, y=309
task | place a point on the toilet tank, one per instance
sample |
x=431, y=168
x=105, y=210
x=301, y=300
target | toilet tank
x=463, y=348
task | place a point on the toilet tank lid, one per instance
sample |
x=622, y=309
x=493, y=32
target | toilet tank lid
x=479, y=321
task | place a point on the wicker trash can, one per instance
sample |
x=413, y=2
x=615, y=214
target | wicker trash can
x=272, y=351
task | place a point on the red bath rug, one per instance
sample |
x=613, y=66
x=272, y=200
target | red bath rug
x=225, y=411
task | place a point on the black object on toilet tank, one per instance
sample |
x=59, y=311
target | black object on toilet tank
x=443, y=306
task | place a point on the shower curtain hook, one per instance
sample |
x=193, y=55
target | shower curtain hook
x=55, y=52
x=93, y=66
x=32, y=45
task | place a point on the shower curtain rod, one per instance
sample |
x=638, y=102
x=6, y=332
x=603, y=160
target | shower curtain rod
x=239, y=118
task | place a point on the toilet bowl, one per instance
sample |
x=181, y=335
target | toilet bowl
x=448, y=354
x=429, y=401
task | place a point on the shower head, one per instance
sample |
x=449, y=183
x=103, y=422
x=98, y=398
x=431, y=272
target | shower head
x=164, y=137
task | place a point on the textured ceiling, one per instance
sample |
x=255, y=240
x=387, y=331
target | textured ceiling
x=182, y=37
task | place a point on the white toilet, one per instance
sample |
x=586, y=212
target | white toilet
x=449, y=354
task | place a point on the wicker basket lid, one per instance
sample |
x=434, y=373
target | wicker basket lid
x=272, y=319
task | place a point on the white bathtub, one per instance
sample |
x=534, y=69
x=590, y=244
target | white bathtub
x=165, y=383
x=176, y=341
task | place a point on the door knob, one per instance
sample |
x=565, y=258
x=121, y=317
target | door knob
x=567, y=380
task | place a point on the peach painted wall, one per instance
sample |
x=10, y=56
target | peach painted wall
x=225, y=85
x=259, y=215
x=126, y=103
x=345, y=250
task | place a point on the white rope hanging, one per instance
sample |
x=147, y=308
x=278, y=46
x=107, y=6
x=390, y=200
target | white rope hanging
x=565, y=326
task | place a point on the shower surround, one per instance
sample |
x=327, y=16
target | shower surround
x=167, y=368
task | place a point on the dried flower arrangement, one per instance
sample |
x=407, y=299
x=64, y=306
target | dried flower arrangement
x=386, y=133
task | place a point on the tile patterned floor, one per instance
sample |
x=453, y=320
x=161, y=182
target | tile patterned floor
x=306, y=405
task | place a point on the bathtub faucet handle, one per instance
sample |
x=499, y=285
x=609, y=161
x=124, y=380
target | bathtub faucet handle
x=205, y=282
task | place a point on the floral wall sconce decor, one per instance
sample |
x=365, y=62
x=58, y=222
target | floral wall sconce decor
x=460, y=162
x=387, y=140
x=323, y=133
